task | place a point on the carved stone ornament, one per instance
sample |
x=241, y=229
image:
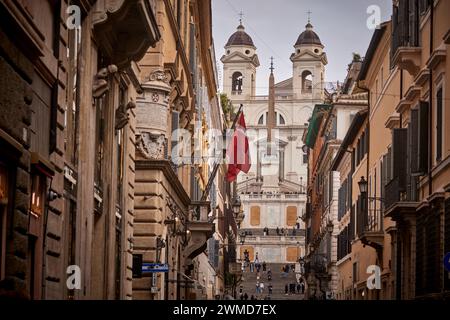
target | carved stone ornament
x=100, y=85
x=122, y=117
x=158, y=75
x=105, y=7
x=151, y=146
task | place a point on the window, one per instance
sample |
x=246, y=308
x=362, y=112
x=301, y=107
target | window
x=355, y=272
x=423, y=137
x=237, y=81
x=255, y=216
x=439, y=125
x=37, y=195
x=307, y=81
x=292, y=254
x=291, y=216
x=279, y=118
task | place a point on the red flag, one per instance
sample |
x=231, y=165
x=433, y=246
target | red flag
x=238, y=151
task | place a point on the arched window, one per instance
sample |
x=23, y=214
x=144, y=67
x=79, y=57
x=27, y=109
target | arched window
x=263, y=119
x=237, y=82
x=307, y=81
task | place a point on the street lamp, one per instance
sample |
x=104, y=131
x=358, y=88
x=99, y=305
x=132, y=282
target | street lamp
x=362, y=185
x=237, y=206
x=174, y=223
x=242, y=236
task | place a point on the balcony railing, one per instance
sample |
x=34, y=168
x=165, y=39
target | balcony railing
x=392, y=193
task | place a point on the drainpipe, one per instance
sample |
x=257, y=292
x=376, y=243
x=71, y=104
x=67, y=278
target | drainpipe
x=401, y=96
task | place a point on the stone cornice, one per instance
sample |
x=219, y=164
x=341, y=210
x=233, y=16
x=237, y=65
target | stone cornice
x=166, y=168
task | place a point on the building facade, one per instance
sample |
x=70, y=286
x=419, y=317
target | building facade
x=74, y=194
x=175, y=112
x=326, y=131
x=417, y=199
x=393, y=212
x=89, y=187
x=273, y=192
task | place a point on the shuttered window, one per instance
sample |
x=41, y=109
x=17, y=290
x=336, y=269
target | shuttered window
x=352, y=224
x=349, y=192
x=291, y=216
x=413, y=23
x=175, y=138
x=255, y=216
x=292, y=254
x=414, y=151
x=342, y=199
x=423, y=137
x=399, y=149
x=439, y=125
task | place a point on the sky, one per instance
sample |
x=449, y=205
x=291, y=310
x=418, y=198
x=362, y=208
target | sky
x=275, y=25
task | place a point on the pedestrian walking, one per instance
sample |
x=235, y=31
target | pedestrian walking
x=270, y=287
x=286, y=288
x=264, y=266
x=261, y=287
x=245, y=296
x=257, y=287
x=252, y=267
x=298, y=287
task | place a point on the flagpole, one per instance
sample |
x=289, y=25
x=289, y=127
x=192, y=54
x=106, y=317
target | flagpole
x=217, y=165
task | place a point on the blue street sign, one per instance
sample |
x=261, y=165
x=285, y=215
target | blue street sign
x=447, y=261
x=155, y=267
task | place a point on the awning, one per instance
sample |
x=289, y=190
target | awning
x=314, y=124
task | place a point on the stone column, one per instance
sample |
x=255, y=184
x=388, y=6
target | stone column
x=152, y=116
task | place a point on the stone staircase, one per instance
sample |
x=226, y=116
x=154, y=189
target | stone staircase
x=278, y=283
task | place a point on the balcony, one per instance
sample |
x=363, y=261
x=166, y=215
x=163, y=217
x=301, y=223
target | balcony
x=399, y=204
x=372, y=237
x=200, y=228
x=370, y=225
x=125, y=29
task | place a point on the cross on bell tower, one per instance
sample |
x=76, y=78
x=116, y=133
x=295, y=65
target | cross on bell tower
x=309, y=16
x=241, y=15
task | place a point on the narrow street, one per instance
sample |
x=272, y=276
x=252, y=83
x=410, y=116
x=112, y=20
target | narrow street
x=148, y=147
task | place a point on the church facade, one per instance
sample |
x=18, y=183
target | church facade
x=273, y=193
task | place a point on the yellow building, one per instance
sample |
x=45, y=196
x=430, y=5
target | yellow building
x=403, y=225
x=365, y=239
x=179, y=94
x=418, y=200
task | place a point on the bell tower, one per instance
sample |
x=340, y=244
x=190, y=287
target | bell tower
x=309, y=61
x=240, y=62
